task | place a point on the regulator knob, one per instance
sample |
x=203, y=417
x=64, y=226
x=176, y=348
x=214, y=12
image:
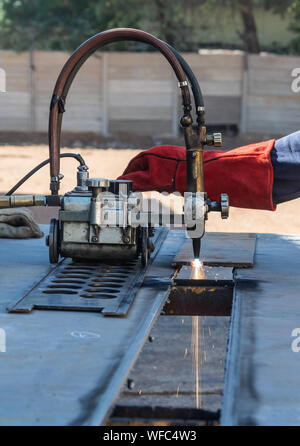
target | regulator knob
x=218, y=141
x=214, y=139
x=102, y=183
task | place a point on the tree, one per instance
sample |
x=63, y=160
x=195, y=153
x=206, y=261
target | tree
x=61, y=24
x=174, y=21
x=64, y=24
x=295, y=25
x=249, y=35
x=246, y=8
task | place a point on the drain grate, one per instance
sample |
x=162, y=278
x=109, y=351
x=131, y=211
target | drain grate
x=106, y=288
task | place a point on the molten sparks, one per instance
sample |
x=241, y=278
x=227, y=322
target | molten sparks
x=198, y=354
x=195, y=350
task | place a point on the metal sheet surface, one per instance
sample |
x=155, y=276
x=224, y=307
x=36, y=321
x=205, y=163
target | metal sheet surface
x=220, y=249
x=63, y=368
x=263, y=362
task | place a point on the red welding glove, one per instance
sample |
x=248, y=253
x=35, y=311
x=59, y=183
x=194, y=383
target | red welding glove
x=245, y=173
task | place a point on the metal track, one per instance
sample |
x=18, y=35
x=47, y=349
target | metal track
x=106, y=288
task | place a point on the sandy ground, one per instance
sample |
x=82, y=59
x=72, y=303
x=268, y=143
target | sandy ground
x=16, y=161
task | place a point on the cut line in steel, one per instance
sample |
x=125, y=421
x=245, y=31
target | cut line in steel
x=170, y=414
x=205, y=291
x=106, y=288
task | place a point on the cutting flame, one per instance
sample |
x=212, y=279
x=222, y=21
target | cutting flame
x=197, y=271
x=197, y=264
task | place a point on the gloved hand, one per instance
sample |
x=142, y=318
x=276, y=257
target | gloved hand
x=245, y=173
x=18, y=223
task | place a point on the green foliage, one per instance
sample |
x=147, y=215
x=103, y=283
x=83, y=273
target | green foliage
x=295, y=26
x=174, y=21
x=64, y=24
x=61, y=24
x=278, y=7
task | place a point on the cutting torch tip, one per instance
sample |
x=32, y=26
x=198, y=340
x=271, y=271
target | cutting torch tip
x=196, y=247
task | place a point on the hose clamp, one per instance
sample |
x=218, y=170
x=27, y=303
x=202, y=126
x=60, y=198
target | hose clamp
x=182, y=84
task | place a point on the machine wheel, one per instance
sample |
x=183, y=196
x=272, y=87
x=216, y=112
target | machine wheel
x=53, y=241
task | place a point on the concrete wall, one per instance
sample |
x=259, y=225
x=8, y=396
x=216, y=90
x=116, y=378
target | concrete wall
x=137, y=92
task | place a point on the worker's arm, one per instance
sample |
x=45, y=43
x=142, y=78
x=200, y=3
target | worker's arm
x=257, y=176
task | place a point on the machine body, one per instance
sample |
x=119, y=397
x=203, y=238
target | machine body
x=99, y=221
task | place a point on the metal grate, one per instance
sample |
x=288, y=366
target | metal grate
x=90, y=282
x=106, y=288
x=72, y=286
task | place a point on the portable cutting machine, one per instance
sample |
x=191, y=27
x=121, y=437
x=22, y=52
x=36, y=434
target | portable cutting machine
x=101, y=219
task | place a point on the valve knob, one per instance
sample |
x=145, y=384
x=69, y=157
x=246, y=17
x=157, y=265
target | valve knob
x=102, y=183
x=217, y=137
x=214, y=139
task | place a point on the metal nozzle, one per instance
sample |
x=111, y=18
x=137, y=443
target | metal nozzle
x=196, y=247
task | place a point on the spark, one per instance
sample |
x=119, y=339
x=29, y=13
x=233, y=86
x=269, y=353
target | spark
x=195, y=350
x=185, y=353
x=177, y=393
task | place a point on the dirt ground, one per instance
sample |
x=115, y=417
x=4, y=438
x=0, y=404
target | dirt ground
x=16, y=161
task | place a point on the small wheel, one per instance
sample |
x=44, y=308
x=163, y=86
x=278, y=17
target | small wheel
x=224, y=206
x=54, y=241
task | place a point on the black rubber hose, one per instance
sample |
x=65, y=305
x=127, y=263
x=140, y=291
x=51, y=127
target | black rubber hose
x=196, y=89
x=198, y=97
x=77, y=156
